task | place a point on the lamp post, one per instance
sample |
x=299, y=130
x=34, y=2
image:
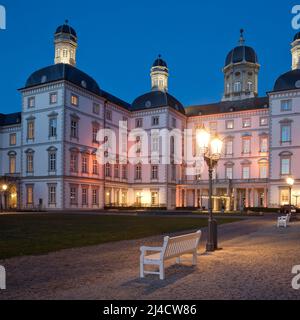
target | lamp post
x=290, y=181
x=4, y=188
x=211, y=148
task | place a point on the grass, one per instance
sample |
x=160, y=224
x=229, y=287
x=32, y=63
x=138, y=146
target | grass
x=36, y=234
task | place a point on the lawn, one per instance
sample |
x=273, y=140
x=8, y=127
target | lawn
x=35, y=234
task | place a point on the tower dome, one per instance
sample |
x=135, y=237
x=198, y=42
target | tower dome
x=65, y=39
x=241, y=72
x=159, y=75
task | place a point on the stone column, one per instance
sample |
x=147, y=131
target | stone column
x=235, y=196
x=252, y=198
x=247, y=198
x=265, y=197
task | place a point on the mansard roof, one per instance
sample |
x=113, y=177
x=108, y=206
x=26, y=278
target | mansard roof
x=10, y=119
x=228, y=107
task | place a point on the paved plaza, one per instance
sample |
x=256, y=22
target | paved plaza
x=255, y=262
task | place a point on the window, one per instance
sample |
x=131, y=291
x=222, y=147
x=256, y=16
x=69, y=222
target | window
x=264, y=144
x=229, y=148
x=95, y=166
x=263, y=171
x=173, y=172
x=264, y=121
x=84, y=196
x=65, y=53
x=53, y=98
x=124, y=171
x=213, y=126
x=138, y=144
x=247, y=123
x=237, y=87
x=73, y=195
x=155, y=143
x=52, y=161
x=155, y=121
x=96, y=108
x=12, y=163
x=117, y=174
x=74, y=163
x=284, y=196
x=229, y=173
x=227, y=88
x=12, y=139
x=154, y=173
x=139, y=123
x=154, y=198
x=52, y=127
x=286, y=133
x=94, y=134
x=229, y=124
x=84, y=164
x=138, y=172
x=29, y=194
x=286, y=105
x=108, y=115
x=31, y=102
x=74, y=128
x=249, y=86
x=29, y=162
x=174, y=122
x=74, y=100
x=30, y=130
x=107, y=170
x=246, y=146
x=95, y=197
x=246, y=172
x=285, y=166
x=52, y=194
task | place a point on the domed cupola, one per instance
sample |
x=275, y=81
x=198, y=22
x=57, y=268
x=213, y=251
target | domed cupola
x=159, y=75
x=65, y=39
x=241, y=72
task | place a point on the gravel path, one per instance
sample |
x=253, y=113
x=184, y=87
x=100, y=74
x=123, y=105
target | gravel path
x=255, y=263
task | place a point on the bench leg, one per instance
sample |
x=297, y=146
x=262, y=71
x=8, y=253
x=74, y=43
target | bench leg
x=142, y=274
x=195, y=258
x=162, y=271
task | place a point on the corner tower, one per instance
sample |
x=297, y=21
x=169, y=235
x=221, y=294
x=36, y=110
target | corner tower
x=65, y=40
x=296, y=52
x=241, y=72
x=159, y=75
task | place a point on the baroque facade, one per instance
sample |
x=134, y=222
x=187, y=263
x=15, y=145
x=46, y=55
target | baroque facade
x=48, y=151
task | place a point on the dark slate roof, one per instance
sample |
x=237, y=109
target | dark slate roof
x=288, y=81
x=156, y=99
x=10, y=119
x=69, y=73
x=159, y=62
x=228, y=107
x=65, y=28
x=240, y=54
x=63, y=71
x=297, y=36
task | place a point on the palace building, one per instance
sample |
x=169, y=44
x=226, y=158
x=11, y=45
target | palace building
x=48, y=151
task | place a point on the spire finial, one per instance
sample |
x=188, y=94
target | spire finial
x=159, y=56
x=66, y=21
x=242, y=39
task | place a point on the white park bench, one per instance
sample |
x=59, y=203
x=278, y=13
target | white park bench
x=172, y=248
x=283, y=221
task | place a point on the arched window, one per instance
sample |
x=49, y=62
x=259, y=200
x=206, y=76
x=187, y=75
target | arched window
x=237, y=86
x=250, y=86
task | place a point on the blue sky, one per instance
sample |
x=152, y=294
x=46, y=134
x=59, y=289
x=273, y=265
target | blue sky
x=119, y=40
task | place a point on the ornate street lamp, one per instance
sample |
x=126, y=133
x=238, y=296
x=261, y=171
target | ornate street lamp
x=211, y=148
x=4, y=188
x=290, y=181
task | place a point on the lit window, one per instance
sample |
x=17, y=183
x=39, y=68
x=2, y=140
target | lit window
x=264, y=145
x=29, y=194
x=84, y=196
x=138, y=172
x=74, y=100
x=229, y=148
x=263, y=171
x=246, y=146
x=264, y=121
x=12, y=163
x=12, y=139
x=154, y=198
x=284, y=197
x=29, y=164
x=65, y=53
x=84, y=164
x=52, y=194
x=30, y=130
x=229, y=124
x=247, y=123
x=229, y=173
